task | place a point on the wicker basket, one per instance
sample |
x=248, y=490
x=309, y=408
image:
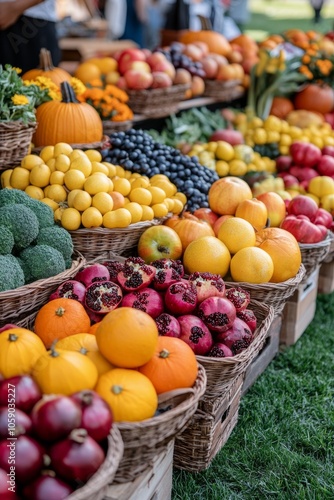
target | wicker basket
x=99, y=145
x=314, y=254
x=224, y=91
x=109, y=126
x=144, y=440
x=97, y=485
x=15, y=141
x=222, y=372
x=100, y=242
x=157, y=102
x=18, y=303
x=275, y=294
x=330, y=256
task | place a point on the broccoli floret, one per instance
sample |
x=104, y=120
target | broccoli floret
x=25, y=269
x=22, y=222
x=42, y=261
x=6, y=240
x=57, y=237
x=43, y=212
x=11, y=274
x=11, y=196
x=68, y=263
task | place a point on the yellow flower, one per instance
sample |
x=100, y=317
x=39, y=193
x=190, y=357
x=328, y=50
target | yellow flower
x=77, y=85
x=18, y=70
x=20, y=100
x=55, y=95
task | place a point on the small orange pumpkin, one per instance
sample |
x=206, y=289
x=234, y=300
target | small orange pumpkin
x=314, y=97
x=215, y=41
x=47, y=69
x=59, y=318
x=173, y=366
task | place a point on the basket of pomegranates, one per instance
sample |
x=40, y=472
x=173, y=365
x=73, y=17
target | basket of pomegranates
x=51, y=445
x=157, y=102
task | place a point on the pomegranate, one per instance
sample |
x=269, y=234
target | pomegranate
x=168, y=271
x=103, y=297
x=219, y=350
x=217, y=313
x=16, y=453
x=195, y=334
x=14, y=422
x=91, y=274
x=54, y=417
x=238, y=337
x=96, y=417
x=239, y=297
x=248, y=316
x=136, y=274
x=181, y=297
x=207, y=285
x=168, y=325
x=8, y=326
x=47, y=486
x=114, y=267
x=27, y=392
x=70, y=289
x=94, y=317
x=147, y=300
x=169, y=264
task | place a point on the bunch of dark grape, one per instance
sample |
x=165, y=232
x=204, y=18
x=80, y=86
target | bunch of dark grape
x=135, y=150
x=179, y=60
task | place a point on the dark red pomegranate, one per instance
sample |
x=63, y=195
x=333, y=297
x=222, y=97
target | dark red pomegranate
x=217, y=313
x=47, y=486
x=147, y=300
x=208, y=285
x=94, y=317
x=239, y=297
x=248, y=316
x=237, y=338
x=70, y=289
x=25, y=454
x=114, y=267
x=168, y=271
x=169, y=264
x=181, y=297
x=14, y=422
x=195, y=333
x=27, y=392
x=220, y=350
x=93, y=273
x=136, y=274
x=168, y=325
x=103, y=297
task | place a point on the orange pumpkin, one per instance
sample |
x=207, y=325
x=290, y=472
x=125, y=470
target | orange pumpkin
x=215, y=41
x=19, y=350
x=173, y=365
x=191, y=229
x=48, y=70
x=254, y=211
x=245, y=41
x=127, y=337
x=59, y=318
x=281, y=107
x=314, y=97
x=86, y=344
x=93, y=328
x=284, y=250
x=226, y=194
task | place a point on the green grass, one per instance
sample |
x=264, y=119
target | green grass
x=282, y=445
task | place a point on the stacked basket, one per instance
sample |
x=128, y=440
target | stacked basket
x=224, y=91
x=15, y=142
x=158, y=102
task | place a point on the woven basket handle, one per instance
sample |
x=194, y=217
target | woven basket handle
x=165, y=396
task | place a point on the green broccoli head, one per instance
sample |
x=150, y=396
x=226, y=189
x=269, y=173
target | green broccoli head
x=42, y=261
x=11, y=273
x=6, y=240
x=57, y=237
x=10, y=196
x=22, y=222
x=43, y=212
x=25, y=269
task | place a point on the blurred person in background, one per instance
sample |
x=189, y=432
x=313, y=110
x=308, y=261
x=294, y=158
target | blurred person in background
x=317, y=6
x=239, y=11
x=136, y=17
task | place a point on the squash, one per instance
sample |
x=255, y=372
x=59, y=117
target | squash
x=173, y=366
x=130, y=394
x=318, y=98
x=47, y=69
x=59, y=318
x=64, y=372
x=86, y=344
x=281, y=107
x=67, y=121
x=216, y=42
x=19, y=350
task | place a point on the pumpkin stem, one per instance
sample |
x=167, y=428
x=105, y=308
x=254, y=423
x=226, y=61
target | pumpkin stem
x=116, y=389
x=83, y=350
x=12, y=337
x=78, y=435
x=164, y=353
x=60, y=311
x=45, y=60
x=53, y=352
x=67, y=93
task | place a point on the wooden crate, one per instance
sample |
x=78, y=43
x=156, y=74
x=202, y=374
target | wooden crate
x=326, y=277
x=299, y=311
x=208, y=430
x=266, y=355
x=154, y=484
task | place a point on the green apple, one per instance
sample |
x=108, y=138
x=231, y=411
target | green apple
x=159, y=242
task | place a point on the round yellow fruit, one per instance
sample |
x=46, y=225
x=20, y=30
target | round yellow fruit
x=117, y=218
x=207, y=255
x=71, y=219
x=236, y=233
x=62, y=163
x=91, y=217
x=97, y=183
x=81, y=201
x=34, y=192
x=56, y=192
x=30, y=161
x=83, y=164
x=74, y=179
x=252, y=265
x=57, y=177
x=40, y=175
x=140, y=195
x=103, y=202
x=47, y=153
x=20, y=178
x=135, y=210
x=158, y=194
x=62, y=148
x=93, y=155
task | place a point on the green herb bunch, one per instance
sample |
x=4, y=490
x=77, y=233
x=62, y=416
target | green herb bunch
x=17, y=100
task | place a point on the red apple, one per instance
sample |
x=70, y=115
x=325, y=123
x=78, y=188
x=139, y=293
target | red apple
x=283, y=163
x=121, y=83
x=328, y=150
x=206, y=214
x=290, y=181
x=138, y=80
x=210, y=67
x=161, y=80
x=159, y=242
x=147, y=52
x=303, y=205
x=233, y=137
x=127, y=57
x=275, y=207
x=155, y=58
x=305, y=154
x=165, y=67
x=323, y=217
x=304, y=230
x=326, y=165
x=140, y=66
x=303, y=173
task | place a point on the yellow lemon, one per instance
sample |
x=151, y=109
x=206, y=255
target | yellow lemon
x=58, y=214
x=56, y=192
x=91, y=217
x=74, y=179
x=77, y=153
x=111, y=168
x=237, y=168
x=120, y=171
x=93, y=155
x=139, y=182
x=167, y=186
x=117, y=218
x=148, y=213
x=181, y=196
x=81, y=201
x=62, y=163
x=34, y=192
x=177, y=207
x=62, y=148
x=53, y=204
x=99, y=167
x=47, y=153
x=30, y=161
x=5, y=178
x=160, y=210
x=158, y=194
x=224, y=151
x=135, y=210
x=97, y=183
x=170, y=203
x=57, y=177
x=122, y=186
x=237, y=233
x=252, y=264
x=51, y=164
x=141, y=195
x=40, y=175
x=71, y=195
x=20, y=178
x=103, y=202
x=222, y=168
x=83, y=164
x=71, y=219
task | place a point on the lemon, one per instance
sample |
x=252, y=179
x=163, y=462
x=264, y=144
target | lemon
x=56, y=192
x=62, y=148
x=224, y=151
x=141, y=195
x=62, y=163
x=120, y=171
x=82, y=200
x=83, y=164
x=34, y=192
x=20, y=178
x=135, y=210
x=122, y=186
x=139, y=182
x=158, y=194
x=181, y=196
x=99, y=167
x=91, y=217
x=103, y=202
x=237, y=168
x=40, y=175
x=57, y=177
x=170, y=203
x=148, y=213
x=117, y=218
x=222, y=168
x=111, y=168
x=71, y=195
x=30, y=161
x=160, y=210
x=70, y=219
x=47, y=153
x=51, y=164
x=53, y=204
x=177, y=207
x=93, y=155
x=77, y=153
x=97, y=183
x=5, y=178
x=74, y=179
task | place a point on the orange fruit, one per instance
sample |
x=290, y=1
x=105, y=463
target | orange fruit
x=207, y=255
x=252, y=264
x=236, y=233
x=118, y=199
